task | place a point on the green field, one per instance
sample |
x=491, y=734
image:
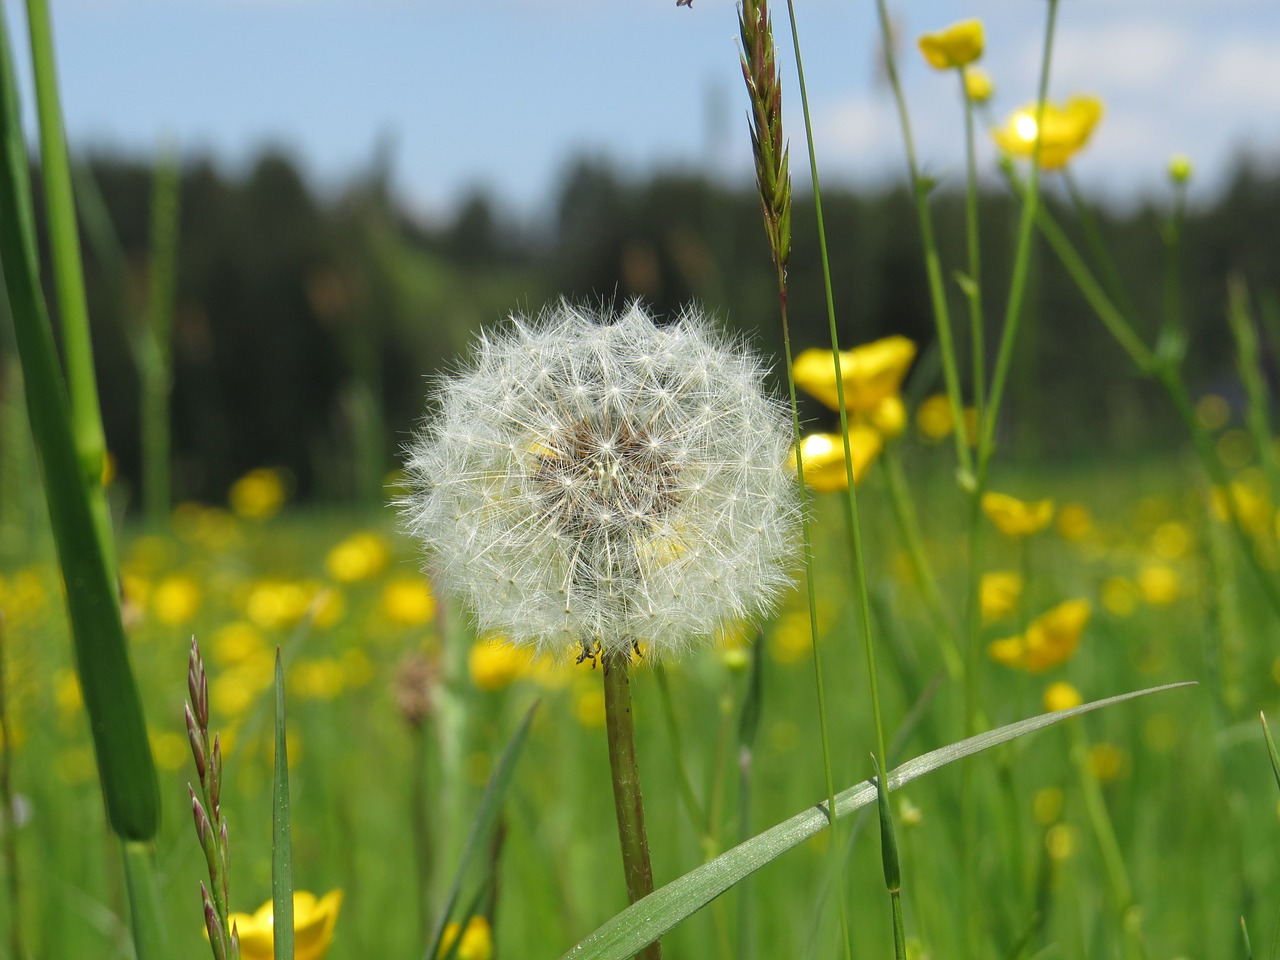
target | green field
x=1183, y=776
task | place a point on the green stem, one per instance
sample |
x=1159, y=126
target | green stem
x=1097, y=247
x=154, y=352
x=701, y=821
x=1022, y=256
x=11, y=864
x=64, y=239
x=281, y=833
x=933, y=267
x=150, y=940
x=625, y=770
x=904, y=515
x=973, y=286
x=1103, y=829
x=851, y=498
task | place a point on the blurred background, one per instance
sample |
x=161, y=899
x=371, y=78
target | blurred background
x=364, y=185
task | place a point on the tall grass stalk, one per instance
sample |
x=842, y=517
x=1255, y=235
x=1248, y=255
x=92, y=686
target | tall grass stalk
x=1253, y=375
x=852, y=520
x=85, y=552
x=773, y=179
x=68, y=274
x=153, y=349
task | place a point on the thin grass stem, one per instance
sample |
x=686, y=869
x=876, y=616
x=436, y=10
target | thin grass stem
x=904, y=515
x=973, y=282
x=8, y=811
x=932, y=262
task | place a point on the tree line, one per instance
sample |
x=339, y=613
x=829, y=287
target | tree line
x=304, y=324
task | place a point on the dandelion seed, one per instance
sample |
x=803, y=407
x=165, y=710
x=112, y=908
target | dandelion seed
x=604, y=480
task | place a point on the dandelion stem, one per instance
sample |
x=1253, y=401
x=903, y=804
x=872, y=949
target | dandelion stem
x=628, y=804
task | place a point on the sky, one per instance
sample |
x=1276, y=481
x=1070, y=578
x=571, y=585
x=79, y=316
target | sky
x=499, y=95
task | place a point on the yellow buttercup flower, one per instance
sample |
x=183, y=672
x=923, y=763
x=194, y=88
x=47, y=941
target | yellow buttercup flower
x=956, y=46
x=494, y=663
x=175, y=600
x=258, y=495
x=1050, y=639
x=313, y=922
x=999, y=592
x=870, y=372
x=1066, y=131
x=360, y=556
x=889, y=417
x=408, y=601
x=1014, y=517
x=1074, y=522
x=823, y=455
x=1059, y=696
x=978, y=86
x=1159, y=584
x=1180, y=168
x=477, y=940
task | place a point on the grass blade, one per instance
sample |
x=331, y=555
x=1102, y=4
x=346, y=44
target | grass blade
x=643, y=922
x=482, y=826
x=1271, y=747
x=110, y=691
x=281, y=834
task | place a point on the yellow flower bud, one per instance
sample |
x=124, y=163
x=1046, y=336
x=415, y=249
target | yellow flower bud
x=956, y=46
x=977, y=84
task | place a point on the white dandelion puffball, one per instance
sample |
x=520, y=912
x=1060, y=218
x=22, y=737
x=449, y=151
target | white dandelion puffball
x=594, y=480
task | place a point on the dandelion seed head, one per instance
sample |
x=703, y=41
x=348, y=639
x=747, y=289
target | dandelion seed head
x=591, y=479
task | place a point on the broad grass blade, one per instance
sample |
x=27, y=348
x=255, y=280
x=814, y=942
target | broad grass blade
x=650, y=918
x=110, y=691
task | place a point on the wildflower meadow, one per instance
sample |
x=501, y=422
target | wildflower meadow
x=652, y=633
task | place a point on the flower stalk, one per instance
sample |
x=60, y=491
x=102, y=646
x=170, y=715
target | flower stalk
x=625, y=771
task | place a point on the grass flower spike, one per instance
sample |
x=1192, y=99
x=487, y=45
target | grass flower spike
x=957, y=46
x=1066, y=131
x=590, y=480
x=313, y=922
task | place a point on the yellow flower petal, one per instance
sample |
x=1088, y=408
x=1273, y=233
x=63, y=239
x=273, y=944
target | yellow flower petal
x=313, y=923
x=1066, y=131
x=870, y=372
x=957, y=45
x=1061, y=696
x=823, y=455
x=1014, y=517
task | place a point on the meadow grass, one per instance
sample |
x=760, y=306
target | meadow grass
x=1184, y=776
x=1148, y=829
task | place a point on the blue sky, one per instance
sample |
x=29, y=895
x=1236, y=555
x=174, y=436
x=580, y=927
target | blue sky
x=500, y=93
